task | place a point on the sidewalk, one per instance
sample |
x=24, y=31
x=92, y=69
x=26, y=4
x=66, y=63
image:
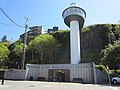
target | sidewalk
x=37, y=85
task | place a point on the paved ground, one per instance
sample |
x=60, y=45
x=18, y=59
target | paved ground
x=37, y=85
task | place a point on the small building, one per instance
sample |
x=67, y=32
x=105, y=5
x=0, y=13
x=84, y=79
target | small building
x=53, y=30
x=34, y=31
x=84, y=72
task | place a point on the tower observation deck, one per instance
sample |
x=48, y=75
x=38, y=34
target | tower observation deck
x=74, y=12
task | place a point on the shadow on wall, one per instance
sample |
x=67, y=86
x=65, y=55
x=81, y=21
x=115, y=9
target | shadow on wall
x=101, y=77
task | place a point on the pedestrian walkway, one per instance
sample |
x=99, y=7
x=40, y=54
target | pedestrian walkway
x=37, y=85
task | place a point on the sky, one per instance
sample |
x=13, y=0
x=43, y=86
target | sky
x=48, y=13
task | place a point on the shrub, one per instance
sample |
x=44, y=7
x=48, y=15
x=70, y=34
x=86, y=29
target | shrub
x=100, y=67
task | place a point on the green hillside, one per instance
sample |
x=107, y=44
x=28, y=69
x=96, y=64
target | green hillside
x=55, y=47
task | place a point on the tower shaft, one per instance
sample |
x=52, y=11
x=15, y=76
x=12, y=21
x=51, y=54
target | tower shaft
x=75, y=42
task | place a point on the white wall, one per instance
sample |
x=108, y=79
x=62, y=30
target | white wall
x=85, y=71
x=15, y=74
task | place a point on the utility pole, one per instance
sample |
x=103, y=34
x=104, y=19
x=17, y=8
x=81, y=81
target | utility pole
x=25, y=41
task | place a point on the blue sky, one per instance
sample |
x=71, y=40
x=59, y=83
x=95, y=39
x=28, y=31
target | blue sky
x=48, y=14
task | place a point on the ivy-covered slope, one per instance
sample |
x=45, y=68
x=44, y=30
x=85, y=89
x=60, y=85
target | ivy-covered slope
x=94, y=38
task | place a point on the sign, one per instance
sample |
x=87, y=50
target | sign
x=118, y=66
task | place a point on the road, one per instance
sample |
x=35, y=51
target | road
x=38, y=85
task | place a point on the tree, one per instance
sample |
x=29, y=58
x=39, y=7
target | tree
x=4, y=52
x=45, y=47
x=117, y=31
x=5, y=41
x=111, y=55
x=16, y=53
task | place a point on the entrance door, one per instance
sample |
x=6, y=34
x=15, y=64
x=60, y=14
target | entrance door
x=59, y=75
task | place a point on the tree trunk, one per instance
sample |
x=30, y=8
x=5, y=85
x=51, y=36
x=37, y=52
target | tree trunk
x=115, y=70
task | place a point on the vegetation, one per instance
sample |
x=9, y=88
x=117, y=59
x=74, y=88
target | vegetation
x=46, y=47
x=111, y=71
x=100, y=67
x=63, y=37
x=16, y=52
x=86, y=28
x=55, y=47
x=4, y=52
x=111, y=55
x=117, y=31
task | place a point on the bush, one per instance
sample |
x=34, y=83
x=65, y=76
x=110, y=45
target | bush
x=100, y=67
x=112, y=72
x=118, y=71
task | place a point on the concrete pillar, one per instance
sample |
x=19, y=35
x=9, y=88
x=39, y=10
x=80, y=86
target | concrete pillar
x=75, y=42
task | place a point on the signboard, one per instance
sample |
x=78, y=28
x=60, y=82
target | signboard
x=118, y=66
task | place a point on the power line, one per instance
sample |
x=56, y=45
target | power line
x=9, y=25
x=9, y=18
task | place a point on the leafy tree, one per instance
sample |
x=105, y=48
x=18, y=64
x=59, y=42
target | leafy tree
x=117, y=31
x=5, y=41
x=4, y=52
x=111, y=55
x=16, y=53
x=45, y=47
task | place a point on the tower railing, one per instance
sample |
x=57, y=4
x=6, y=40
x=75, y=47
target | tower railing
x=74, y=11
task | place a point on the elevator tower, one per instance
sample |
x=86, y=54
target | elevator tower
x=74, y=18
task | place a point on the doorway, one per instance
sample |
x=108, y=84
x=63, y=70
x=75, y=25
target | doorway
x=59, y=75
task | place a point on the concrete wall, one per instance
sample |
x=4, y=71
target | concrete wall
x=15, y=74
x=85, y=71
x=101, y=77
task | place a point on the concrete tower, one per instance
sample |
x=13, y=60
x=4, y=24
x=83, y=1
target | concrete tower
x=74, y=17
